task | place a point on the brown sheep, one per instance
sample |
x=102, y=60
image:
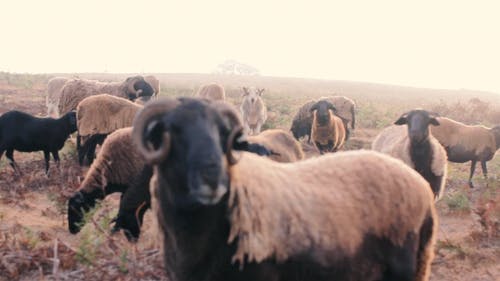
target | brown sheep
x=327, y=132
x=212, y=91
x=54, y=87
x=465, y=143
x=302, y=121
x=417, y=147
x=282, y=144
x=236, y=216
x=74, y=91
x=118, y=168
x=99, y=115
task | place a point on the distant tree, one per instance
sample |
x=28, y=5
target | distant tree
x=233, y=67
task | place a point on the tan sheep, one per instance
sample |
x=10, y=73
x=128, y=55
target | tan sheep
x=212, y=91
x=74, y=91
x=302, y=121
x=328, y=132
x=253, y=110
x=282, y=144
x=465, y=143
x=99, y=115
x=117, y=167
x=417, y=147
x=54, y=87
x=263, y=220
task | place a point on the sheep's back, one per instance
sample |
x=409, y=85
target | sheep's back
x=118, y=161
x=394, y=141
x=281, y=143
x=103, y=114
x=453, y=134
x=285, y=209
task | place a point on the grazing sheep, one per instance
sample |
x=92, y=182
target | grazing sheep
x=74, y=91
x=465, y=143
x=416, y=146
x=237, y=216
x=99, y=115
x=253, y=110
x=54, y=87
x=282, y=144
x=155, y=84
x=302, y=121
x=118, y=167
x=328, y=132
x=212, y=91
x=23, y=132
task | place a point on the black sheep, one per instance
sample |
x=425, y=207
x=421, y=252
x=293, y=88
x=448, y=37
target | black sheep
x=26, y=133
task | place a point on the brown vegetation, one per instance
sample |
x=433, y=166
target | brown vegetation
x=32, y=208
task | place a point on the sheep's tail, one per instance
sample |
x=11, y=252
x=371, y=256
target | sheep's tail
x=425, y=252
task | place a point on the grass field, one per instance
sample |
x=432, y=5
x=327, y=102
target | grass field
x=36, y=245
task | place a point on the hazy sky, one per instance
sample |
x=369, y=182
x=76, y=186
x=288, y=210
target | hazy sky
x=444, y=44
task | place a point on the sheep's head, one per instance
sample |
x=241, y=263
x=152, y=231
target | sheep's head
x=78, y=204
x=322, y=111
x=138, y=87
x=190, y=142
x=71, y=120
x=418, y=122
x=252, y=95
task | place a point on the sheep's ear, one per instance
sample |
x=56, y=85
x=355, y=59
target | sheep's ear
x=245, y=91
x=433, y=121
x=402, y=120
x=260, y=92
x=313, y=108
x=332, y=107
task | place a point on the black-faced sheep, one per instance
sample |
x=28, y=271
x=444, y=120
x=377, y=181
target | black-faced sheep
x=253, y=110
x=99, y=115
x=155, y=83
x=282, y=144
x=74, y=91
x=212, y=91
x=118, y=167
x=302, y=121
x=328, y=132
x=54, y=87
x=465, y=143
x=237, y=216
x=23, y=132
x=416, y=146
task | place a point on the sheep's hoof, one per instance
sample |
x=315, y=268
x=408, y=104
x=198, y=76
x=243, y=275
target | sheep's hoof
x=471, y=185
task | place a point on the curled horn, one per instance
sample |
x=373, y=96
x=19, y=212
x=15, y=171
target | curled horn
x=236, y=133
x=235, y=127
x=145, y=121
x=130, y=84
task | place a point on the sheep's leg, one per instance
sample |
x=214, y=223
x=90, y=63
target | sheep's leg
x=472, y=169
x=55, y=154
x=257, y=129
x=485, y=169
x=10, y=156
x=46, y=155
x=91, y=152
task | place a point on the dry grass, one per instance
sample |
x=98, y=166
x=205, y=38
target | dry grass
x=35, y=243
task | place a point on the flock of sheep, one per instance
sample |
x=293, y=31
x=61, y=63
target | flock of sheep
x=235, y=203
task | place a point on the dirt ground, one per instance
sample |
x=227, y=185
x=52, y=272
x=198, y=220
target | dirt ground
x=35, y=243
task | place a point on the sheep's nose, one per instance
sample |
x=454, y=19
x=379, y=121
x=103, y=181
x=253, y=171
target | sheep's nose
x=252, y=100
